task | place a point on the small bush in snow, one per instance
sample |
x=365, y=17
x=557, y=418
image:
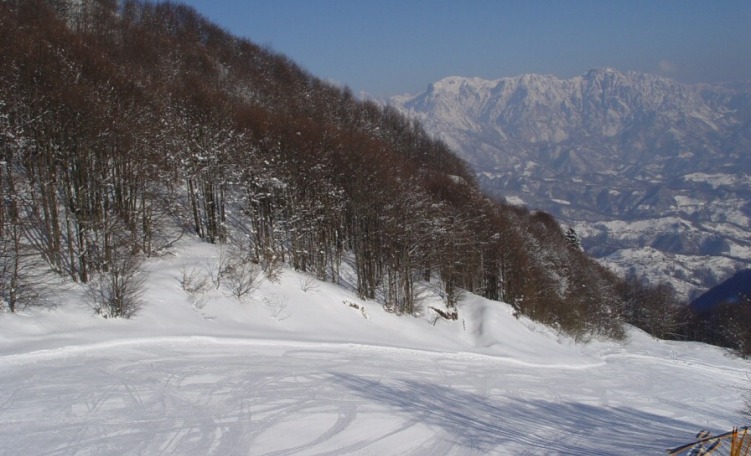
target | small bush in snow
x=308, y=283
x=117, y=293
x=234, y=271
x=278, y=307
x=241, y=277
x=272, y=266
x=195, y=283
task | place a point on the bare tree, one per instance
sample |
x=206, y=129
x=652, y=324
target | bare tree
x=242, y=276
x=117, y=292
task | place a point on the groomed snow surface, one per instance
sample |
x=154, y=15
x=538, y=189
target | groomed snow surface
x=296, y=370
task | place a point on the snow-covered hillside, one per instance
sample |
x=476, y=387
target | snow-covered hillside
x=623, y=148
x=303, y=367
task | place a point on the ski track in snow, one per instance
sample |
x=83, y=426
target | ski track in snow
x=207, y=395
x=72, y=350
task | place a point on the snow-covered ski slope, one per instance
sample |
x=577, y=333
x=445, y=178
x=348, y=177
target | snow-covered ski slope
x=296, y=370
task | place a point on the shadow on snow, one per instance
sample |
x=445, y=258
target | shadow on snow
x=532, y=426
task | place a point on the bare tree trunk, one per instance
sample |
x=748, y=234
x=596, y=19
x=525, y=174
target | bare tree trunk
x=194, y=208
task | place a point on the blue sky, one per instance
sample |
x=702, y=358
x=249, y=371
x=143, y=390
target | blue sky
x=388, y=47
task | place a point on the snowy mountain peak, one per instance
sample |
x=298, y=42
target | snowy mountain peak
x=454, y=83
x=603, y=72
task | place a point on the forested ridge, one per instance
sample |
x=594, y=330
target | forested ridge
x=126, y=124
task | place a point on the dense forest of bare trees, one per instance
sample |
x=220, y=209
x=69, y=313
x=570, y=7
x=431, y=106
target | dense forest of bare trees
x=124, y=124
x=727, y=324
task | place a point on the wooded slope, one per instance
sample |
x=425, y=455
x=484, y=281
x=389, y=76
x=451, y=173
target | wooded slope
x=121, y=121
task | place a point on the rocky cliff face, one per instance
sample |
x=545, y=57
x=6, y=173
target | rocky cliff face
x=654, y=174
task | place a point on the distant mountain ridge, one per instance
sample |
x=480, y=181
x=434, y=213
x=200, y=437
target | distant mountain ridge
x=631, y=160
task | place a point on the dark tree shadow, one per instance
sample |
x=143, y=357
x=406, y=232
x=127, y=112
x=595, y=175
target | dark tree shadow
x=476, y=422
